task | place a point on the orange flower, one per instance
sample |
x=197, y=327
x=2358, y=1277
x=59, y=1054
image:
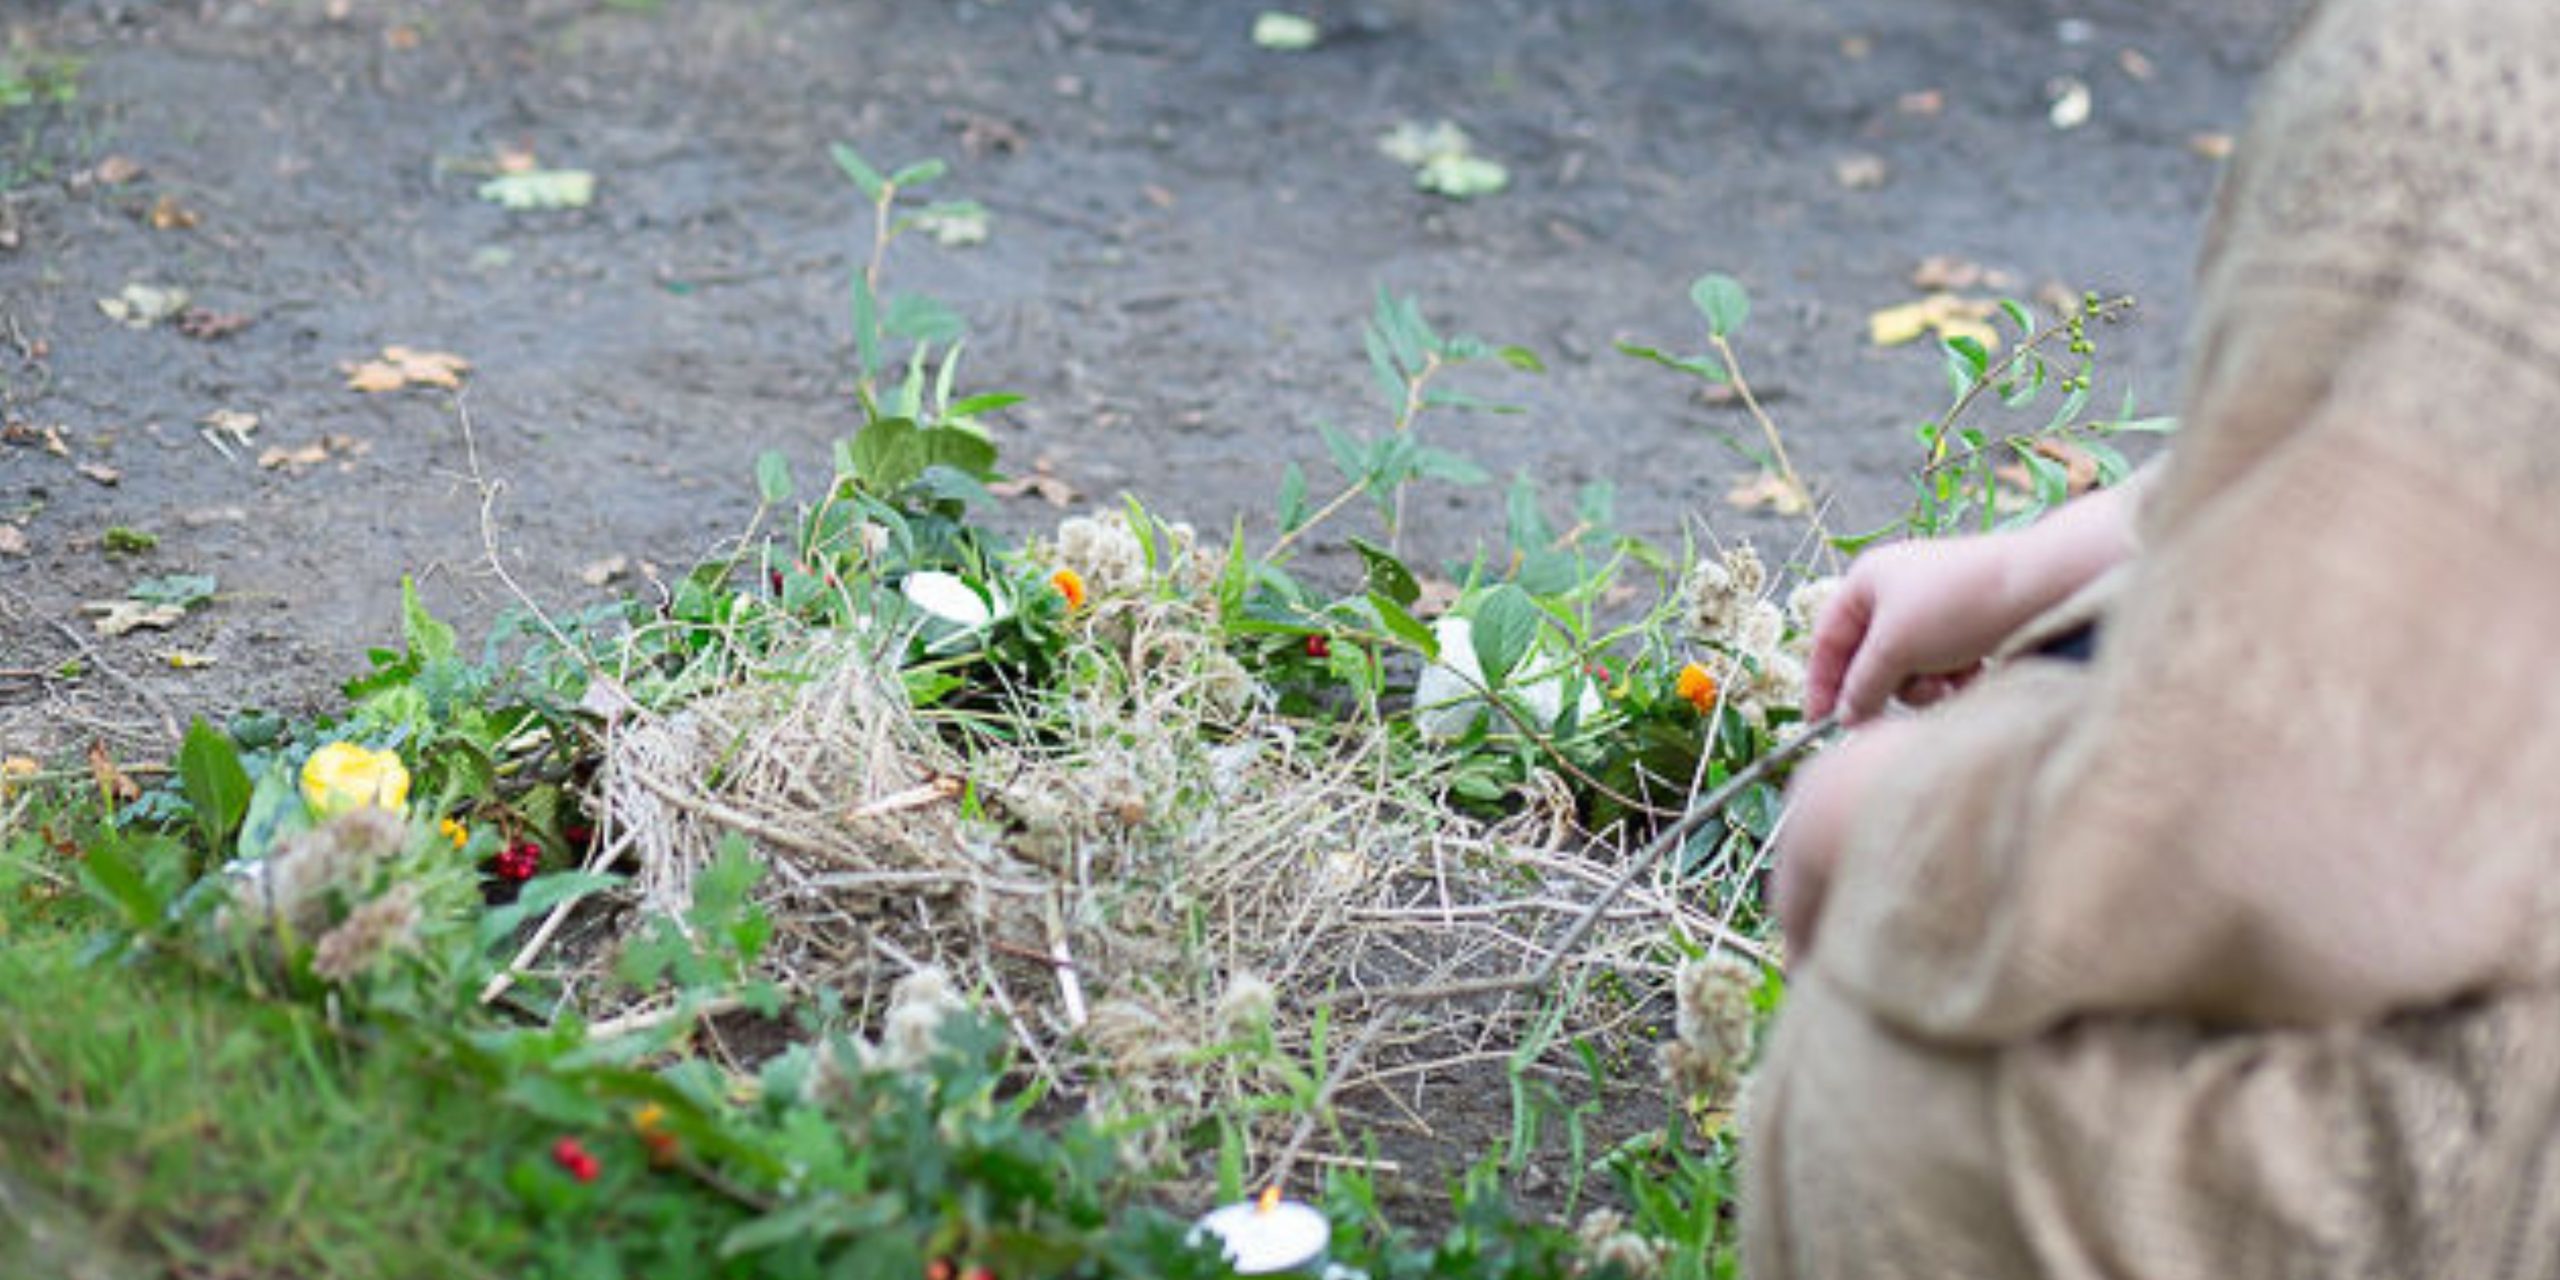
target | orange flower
x=1071, y=585
x=1698, y=687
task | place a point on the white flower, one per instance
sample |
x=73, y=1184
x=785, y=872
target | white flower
x=947, y=597
x=1446, y=701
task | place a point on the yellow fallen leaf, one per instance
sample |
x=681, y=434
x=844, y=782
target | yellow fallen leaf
x=1951, y=315
x=1769, y=491
x=187, y=659
x=2212, y=146
x=401, y=367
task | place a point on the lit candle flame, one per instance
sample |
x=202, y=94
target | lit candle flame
x=1270, y=1199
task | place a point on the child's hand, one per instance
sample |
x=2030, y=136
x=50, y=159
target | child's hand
x=1914, y=620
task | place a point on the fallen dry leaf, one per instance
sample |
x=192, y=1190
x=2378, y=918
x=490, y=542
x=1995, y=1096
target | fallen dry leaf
x=115, y=171
x=13, y=540
x=1856, y=48
x=116, y=617
x=102, y=473
x=517, y=160
x=1160, y=197
x=1951, y=315
x=2136, y=65
x=1043, y=480
x=293, y=461
x=230, y=424
x=169, y=215
x=606, y=570
x=187, y=659
x=111, y=780
x=1862, y=171
x=207, y=325
x=1438, y=595
x=402, y=367
x=1769, y=491
x=1946, y=273
x=2212, y=146
x=54, y=443
x=141, y=306
x=1921, y=102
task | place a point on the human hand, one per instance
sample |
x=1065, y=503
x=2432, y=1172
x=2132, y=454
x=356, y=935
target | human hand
x=1915, y=619
x=1911, y=619
x=1823, y=801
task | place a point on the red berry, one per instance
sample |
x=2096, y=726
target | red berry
x=573, y=1156
x=940, y=1269
x=1319, y=647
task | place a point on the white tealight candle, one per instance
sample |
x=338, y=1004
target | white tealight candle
x=1269, y=1235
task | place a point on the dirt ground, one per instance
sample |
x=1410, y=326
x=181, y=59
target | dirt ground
x=1187, y=230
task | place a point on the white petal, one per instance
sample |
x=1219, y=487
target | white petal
x=946, y=597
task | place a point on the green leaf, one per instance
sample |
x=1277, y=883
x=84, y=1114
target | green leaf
x=1402, y=338
x=1723, y=301
x=1404, y=626
x=856, y=168
x=539, y=895
x=1525, y=525
x=1382, y=366
x=114, y=877
x=185, y=590
x=1349, y=456
x=428, y=639
x=1441, y=464
x=541, y=189
x=773, y=477
x=1293, y=498
x=1506, y=631
x=981, y=404
x=919, y=173
x=921, y=319
x=1387, y=575
x=1521, y=358
x=1706, y=367
x=217, y=787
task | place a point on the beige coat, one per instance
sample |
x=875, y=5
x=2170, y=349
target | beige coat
x=2236, y=952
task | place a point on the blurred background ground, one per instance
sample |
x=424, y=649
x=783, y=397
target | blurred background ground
x=1186, y=232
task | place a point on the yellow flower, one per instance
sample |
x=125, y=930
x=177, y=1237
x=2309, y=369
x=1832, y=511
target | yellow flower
x=342, y=777
x=1071, y=585
x=459, y=834
x=1698, y=687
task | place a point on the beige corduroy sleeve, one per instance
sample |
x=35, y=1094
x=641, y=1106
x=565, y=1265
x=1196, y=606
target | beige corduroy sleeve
x=2279, y=796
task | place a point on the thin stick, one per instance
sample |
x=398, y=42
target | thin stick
x=158, y=704
x=1672, y=837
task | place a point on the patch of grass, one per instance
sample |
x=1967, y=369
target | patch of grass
x=177, y=1114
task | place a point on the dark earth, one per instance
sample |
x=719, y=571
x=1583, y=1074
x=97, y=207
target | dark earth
x=1186, y=233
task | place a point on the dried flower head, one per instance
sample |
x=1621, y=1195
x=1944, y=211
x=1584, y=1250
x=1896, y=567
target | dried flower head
x=1608, y=1242
x=1104, y=553
x=1805, y=603
x=918, y=1006
x=370, y=932
x=1718, y=594
x=1714, y=1025
x=1246, y=1007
